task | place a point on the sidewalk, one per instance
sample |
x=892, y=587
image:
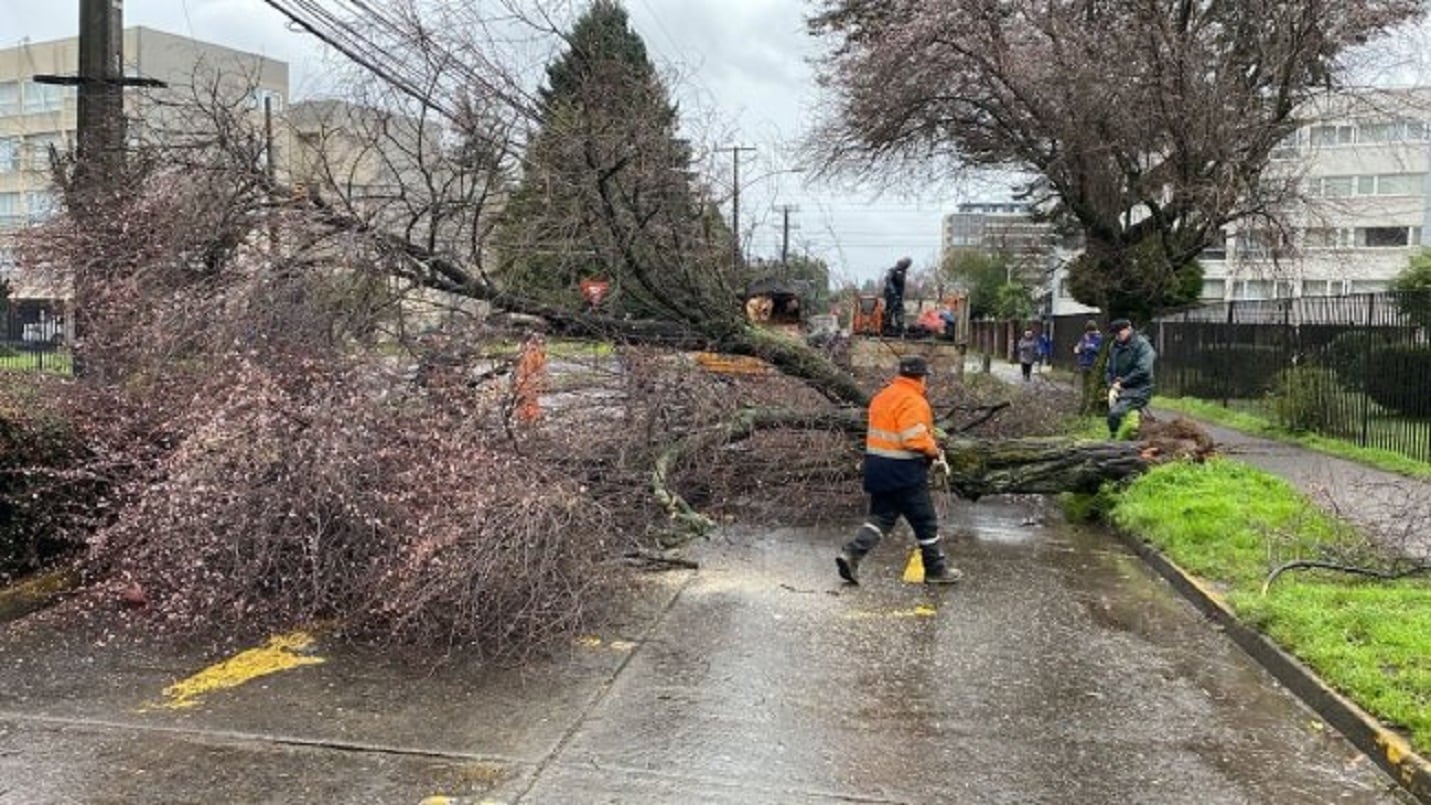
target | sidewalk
x=1392, y=509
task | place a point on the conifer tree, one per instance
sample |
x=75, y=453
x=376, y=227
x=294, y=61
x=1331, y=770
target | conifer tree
x=606, y=189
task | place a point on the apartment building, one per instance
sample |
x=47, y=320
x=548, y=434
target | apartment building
x=1035, y=251
x=1002, y=228
x=37, y=119
x=1361, y=209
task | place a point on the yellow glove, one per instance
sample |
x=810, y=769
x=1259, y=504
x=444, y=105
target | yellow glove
x=1112, y=396
x=941, y=464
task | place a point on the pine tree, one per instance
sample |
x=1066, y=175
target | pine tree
x=606, y=189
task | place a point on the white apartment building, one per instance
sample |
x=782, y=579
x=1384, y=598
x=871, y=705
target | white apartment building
x=1361, y=163
x=1362, y=168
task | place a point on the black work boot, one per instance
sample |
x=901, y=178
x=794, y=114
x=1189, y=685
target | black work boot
x=942, y=573
x=849, y=566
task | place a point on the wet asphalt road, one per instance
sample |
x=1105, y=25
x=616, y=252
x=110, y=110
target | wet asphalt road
x=1060, y=671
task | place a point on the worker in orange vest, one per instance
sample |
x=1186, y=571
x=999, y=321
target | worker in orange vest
x=529, y=377
x=900, y=449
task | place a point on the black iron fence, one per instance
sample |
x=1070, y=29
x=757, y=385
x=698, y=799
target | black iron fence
x=33, y=336
x=1351, y=367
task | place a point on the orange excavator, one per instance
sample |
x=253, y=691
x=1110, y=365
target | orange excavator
x=868, y=317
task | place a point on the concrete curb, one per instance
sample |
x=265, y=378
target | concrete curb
x=1390, y=751
x=35, y=593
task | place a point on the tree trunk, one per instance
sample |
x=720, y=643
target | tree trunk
x=1039, y=466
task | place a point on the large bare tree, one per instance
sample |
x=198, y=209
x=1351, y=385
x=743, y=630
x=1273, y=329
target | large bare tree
x=1148, y=123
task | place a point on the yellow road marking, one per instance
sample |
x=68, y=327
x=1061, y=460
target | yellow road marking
x=280, y=654
x=921, y=611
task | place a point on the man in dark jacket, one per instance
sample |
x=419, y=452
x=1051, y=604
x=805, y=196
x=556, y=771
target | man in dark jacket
x=894, y=296
x=899, y=449
x=1130, y=373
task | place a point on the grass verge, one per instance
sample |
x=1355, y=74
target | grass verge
x=53, y=362
x=1230, y=524
x=1261, y=426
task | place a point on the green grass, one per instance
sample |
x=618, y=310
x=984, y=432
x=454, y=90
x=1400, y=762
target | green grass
x=1259, y=425
x=1230, y=524
x=54, y=362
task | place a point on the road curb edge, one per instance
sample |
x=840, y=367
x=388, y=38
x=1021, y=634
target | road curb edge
x=1387, y=748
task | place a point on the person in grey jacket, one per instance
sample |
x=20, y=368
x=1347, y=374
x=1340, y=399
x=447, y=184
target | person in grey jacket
x=1130, y=373
x=1028, y=353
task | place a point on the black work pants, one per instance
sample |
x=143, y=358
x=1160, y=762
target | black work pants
x=917, y=508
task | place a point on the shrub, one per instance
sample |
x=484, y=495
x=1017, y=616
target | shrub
x=1347, y=355
x=52, y=489
x=1397, y=379
x=1239, y=371
x=1299, y=398
x=295, y=500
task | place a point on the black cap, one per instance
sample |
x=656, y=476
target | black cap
x=1118, y=325
x=913, y=366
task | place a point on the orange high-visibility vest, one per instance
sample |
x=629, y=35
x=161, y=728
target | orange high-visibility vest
x=900, y=439
x=901, y=423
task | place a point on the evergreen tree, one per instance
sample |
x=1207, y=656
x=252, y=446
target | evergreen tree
x=606, y=189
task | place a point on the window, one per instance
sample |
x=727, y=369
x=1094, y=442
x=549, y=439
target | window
x=1337, y=186
x=1253, y=289
x=1287, y=147
x=1391, y=131
x=1366, y=185
x=9, y=97
x=9, y=154
x=9, y=210
x=1383, y=237
x=1258, y=243
x=40, y=206
x=275, y=100
x=1399, y=184
x=1333, y=135
x=1380, y=132
x=1368, y=286
x=43, y=97
x=1326, y=238
x=1214, y=289
x=39, y=148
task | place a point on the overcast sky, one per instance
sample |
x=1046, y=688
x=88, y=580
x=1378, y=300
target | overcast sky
x=742, y=62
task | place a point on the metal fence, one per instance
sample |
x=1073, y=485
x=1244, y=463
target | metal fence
x=23, y=356
x=1350, y=367
x=32, y=337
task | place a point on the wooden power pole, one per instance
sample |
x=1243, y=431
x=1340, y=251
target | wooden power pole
x=100, y=135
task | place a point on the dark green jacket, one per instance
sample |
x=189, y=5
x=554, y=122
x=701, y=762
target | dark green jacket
x=1133, y=364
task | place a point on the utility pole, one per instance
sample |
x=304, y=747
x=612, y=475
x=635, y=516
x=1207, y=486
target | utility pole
x=735, y=201
x=785, y=210
x=100, y=135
